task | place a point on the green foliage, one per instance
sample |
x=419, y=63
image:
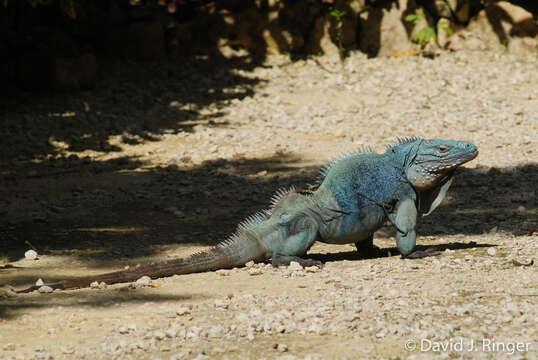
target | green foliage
x=424, y=35
x=445, y=28
x=415, y=18
x=338, y=16
x=427, y=33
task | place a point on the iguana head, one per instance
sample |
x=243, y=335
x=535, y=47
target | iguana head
x=431, y=162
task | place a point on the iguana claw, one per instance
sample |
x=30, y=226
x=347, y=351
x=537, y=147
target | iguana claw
x=284, y=260
x=419, y=254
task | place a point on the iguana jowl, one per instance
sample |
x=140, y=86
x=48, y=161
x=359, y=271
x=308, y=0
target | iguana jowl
x=356, y=194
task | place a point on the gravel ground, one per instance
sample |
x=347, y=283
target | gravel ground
x=170, y=164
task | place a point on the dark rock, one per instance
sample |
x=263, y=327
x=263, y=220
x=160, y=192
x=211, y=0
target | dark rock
x=37, y=70
x=146, y=41
x=87, y=71
x=76, y=73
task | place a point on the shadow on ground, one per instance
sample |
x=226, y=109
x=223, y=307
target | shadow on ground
x=393, y=251
x=106, y=212
x=114, y=297
x=136, y=99
x=112, y=215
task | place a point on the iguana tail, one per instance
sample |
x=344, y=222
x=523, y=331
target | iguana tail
x=237, y=250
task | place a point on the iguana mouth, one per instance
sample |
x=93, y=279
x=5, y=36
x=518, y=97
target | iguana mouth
x=457, y=160
x=448, y=164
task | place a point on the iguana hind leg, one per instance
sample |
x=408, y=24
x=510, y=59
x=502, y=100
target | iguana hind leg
x=367, y=249
x=298, y=236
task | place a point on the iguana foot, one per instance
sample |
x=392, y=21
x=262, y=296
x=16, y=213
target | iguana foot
x=370, y=252
x=419, y=254
x=284, y=260
x=367, y=249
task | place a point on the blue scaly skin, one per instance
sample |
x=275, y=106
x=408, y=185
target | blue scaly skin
x=356, y=195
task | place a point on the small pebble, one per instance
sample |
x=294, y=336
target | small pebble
x=492, y=251
x=143, y=281
x=159, y=335
x=295, y=266
x=183, y=310
x=223, y=272
x=40, y=282
x=45, y=289
x=223, y=304
x=67, y=350
x=172, y=332
x=9, y=347
x=468, y=320
x=381, y=333
x=255, y=271
x=31, y=255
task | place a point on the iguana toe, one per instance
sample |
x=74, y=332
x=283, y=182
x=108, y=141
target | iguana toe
x=285, y=260
x=419, y=254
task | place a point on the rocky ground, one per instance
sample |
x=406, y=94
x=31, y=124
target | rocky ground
x=165, y=159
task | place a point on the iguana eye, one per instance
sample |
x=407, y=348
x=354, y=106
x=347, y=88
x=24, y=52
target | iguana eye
x=443, y=148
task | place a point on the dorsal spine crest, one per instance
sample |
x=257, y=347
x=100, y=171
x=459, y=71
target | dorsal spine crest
x=243, y=226
x=346, y=155
x=279, y=195
x=251, y=221
x=402, y=140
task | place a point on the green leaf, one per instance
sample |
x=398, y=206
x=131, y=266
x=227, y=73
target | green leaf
x=411, y=17
x=447, y=30
x=424, y=36
x=337, y=13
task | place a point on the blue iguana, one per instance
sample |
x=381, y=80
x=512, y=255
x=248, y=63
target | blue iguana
x=355, y=195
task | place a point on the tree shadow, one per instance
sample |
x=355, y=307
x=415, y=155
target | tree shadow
x=105, y=208
x=482, y=200
x=497, y=16
x=115, y=216
x=136, y=100
x=106, y=212
x=16, y=307
x=137, y=105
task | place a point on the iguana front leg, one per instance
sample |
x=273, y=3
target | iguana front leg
x=404, y=217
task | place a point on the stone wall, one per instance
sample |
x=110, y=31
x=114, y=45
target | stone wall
x=44, y=48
